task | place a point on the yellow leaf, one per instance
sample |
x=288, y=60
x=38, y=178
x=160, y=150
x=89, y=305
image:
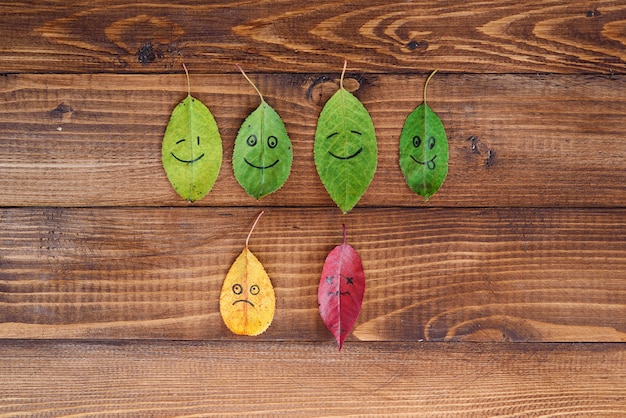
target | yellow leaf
x=247, y=300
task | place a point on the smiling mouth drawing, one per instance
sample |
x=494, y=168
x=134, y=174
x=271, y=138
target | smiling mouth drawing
x=243, y=300
x=349, y=156
x=187, y=161
x=260, y=167
x=430, y=163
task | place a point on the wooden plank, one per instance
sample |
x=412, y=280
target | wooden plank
x=504, y=295
x=434, y=274
x=232, y=378
x=469, y=36
x=515, y=140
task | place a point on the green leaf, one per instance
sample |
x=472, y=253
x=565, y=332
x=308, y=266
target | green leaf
x=262, y=155
x=424, y=150
x=192, y=148
x=345, y=149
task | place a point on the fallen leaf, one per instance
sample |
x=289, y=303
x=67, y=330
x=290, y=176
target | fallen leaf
x=341, y=289
x=345, y=148
x=247, y=300
x=424, y=149
x=192, y=148
x=262, y=155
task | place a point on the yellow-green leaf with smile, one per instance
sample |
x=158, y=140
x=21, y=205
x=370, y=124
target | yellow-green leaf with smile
x=192, y=148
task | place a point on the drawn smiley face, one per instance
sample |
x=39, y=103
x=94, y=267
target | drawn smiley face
x=346, y=147
x=262, y=155
x=259, y=154
x=187, y=151
x=423, y=152
x=425, y=149
x=346, y=154
x=191, y=143
x=191, y=151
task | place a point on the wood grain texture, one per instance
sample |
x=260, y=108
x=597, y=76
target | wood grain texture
x=447, y=274
x=515, y=140
x=296, y=36
x=504, y=295
x=231, y=379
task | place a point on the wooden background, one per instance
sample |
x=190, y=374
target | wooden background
x=504, y=295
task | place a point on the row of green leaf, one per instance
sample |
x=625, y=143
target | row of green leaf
x=345, y=149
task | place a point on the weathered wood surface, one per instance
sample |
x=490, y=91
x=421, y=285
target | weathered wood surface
x=287, y=379
x=515, y=140
x=300, y=36
x=103, y=266
x=448, y=274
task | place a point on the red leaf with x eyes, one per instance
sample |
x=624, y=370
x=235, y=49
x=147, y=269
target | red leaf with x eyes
x=341, y=290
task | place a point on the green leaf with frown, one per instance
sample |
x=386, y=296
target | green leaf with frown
x=262, y=155
x=424, y=150
x=345, y=149
x=192, y=148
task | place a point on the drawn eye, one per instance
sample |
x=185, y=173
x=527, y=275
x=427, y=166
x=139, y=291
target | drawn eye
x=251, y=140
x=417, y=141
x=254, y=289
x=198, y=141
x=272, y=141
x=237, y=289
x=431, y=142
x=180, y=140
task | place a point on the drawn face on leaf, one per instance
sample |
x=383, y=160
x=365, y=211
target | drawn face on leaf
x=182, y=145
x=192, y=149
x=187, y=151
x=346, y=153
x=426, y=151
x=262, y=155
x=345, y=149
x=244, y=297
x=247, y=300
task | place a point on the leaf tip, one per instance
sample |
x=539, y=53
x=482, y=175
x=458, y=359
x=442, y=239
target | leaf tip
x=341, y=338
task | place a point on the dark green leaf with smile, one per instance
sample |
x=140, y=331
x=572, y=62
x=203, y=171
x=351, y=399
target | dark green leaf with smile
x=424, y=150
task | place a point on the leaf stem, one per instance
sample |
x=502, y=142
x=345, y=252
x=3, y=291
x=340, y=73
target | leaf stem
x=253, y=226
x=188, y=82
x=343, y=72
x=253, y=85
x=426, y=84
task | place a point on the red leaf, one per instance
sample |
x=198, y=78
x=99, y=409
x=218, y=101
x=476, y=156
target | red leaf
x=341, y=290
